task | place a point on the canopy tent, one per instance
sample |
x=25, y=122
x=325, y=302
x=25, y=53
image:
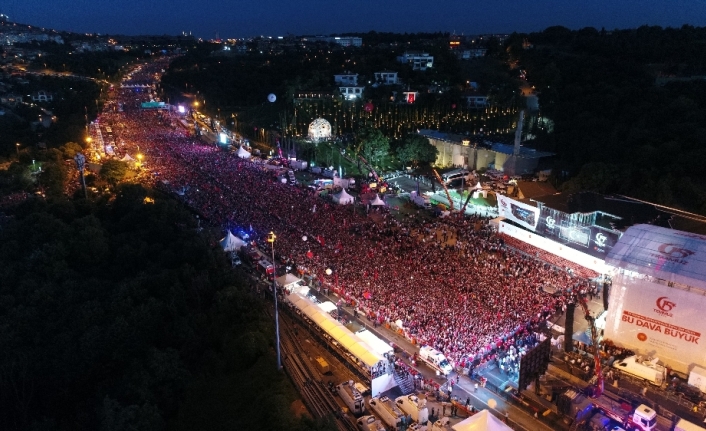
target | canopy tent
x=376, y=343
x=377, y=201
x=287, y=280
x=481, y=421
x=343, y=198
x=127, y=158
x=243, y=153
x=663, y=253
x=328, y=306
x=231, y=242
x=336, y=330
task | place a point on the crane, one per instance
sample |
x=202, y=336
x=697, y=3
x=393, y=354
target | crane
x=597, y=389
x=448, y=196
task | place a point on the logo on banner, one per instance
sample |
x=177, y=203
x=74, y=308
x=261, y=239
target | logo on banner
x=674, y=251
x=642, y=336
x=550, y=222
x=600, y=240
x=503, y=203
x=664, y=306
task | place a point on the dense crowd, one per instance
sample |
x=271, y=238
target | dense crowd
x=449, y=283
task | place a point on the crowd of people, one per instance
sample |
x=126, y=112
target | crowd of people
x=449, y=283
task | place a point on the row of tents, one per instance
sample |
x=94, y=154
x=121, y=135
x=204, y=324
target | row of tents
x=343, y=198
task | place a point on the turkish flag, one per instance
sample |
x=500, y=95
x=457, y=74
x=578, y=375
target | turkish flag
x=309, y=254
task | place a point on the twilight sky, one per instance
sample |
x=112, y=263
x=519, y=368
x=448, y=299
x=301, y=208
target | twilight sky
x=239, y=18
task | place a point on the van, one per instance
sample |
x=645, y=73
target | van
x=456, y=174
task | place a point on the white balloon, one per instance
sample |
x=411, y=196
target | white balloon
x=272, y=98
x=304, y=238
x=328, y=271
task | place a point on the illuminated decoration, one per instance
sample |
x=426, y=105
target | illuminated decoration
x=272, y=98
x=319, y=130
x=181, y=109
x=223, y=138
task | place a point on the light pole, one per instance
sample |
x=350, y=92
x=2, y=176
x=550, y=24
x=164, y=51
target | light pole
x=17, y=147
x=80, y=160
x=271, y=237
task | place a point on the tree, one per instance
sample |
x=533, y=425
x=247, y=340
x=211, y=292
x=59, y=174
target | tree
x=114, y=171
x=70, y=149
x=372, y=144
x=416, y=149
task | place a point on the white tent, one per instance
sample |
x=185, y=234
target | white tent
x=243, y=153
x=287, y=280
x=343, y=198
x=377, y=201
x=481, y=421
x=127, y=158
x=231, y=242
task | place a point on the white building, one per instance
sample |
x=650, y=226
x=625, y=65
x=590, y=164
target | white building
x=346, y=79
x=42, y=96
x=418, y=60
x=386, y=78
x=351, y=92
x=467, y=54
x=475, y=100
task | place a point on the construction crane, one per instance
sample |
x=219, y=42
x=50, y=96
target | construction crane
x=448, y=196
x=598, y=388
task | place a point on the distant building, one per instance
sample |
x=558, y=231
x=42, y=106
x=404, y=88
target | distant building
x=410, y=96
x=341, y=40
x=346, y=79
x=472, y=153
x=351, y=92
x=313, y=95
x=386, y=77
x=418, y=60
x=469, y=53
x=42, y=96
x=474, y=99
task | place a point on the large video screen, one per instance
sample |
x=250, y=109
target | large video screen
x=559, y=227
x=522, y=214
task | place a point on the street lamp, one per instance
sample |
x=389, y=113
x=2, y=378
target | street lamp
x=17, y=147
x=271, y=237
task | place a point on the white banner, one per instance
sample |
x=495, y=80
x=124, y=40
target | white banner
x=658, y=321
x=522, y=214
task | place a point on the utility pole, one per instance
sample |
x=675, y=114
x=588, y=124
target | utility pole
x=271, y=237
x=80, y=160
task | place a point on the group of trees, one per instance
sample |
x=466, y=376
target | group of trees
x=628, y=107
x=117, y=315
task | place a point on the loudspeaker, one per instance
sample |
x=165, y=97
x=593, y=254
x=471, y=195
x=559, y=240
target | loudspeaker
x=606, y=291
x=569, y=328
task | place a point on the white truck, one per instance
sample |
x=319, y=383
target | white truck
x=370, y=423
x=649, y=371
x=352, y=397
x=435, y=360
x=386, y=410
x=684, y=425
x=697, y=378
x=599, y=412
x=415, y=407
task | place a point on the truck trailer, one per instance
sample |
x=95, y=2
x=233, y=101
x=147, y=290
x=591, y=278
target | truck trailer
x=386, y=410
x=684, y=425
x=583, y=410
x=352, y=397
x=649, y=371
x=415, y=407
